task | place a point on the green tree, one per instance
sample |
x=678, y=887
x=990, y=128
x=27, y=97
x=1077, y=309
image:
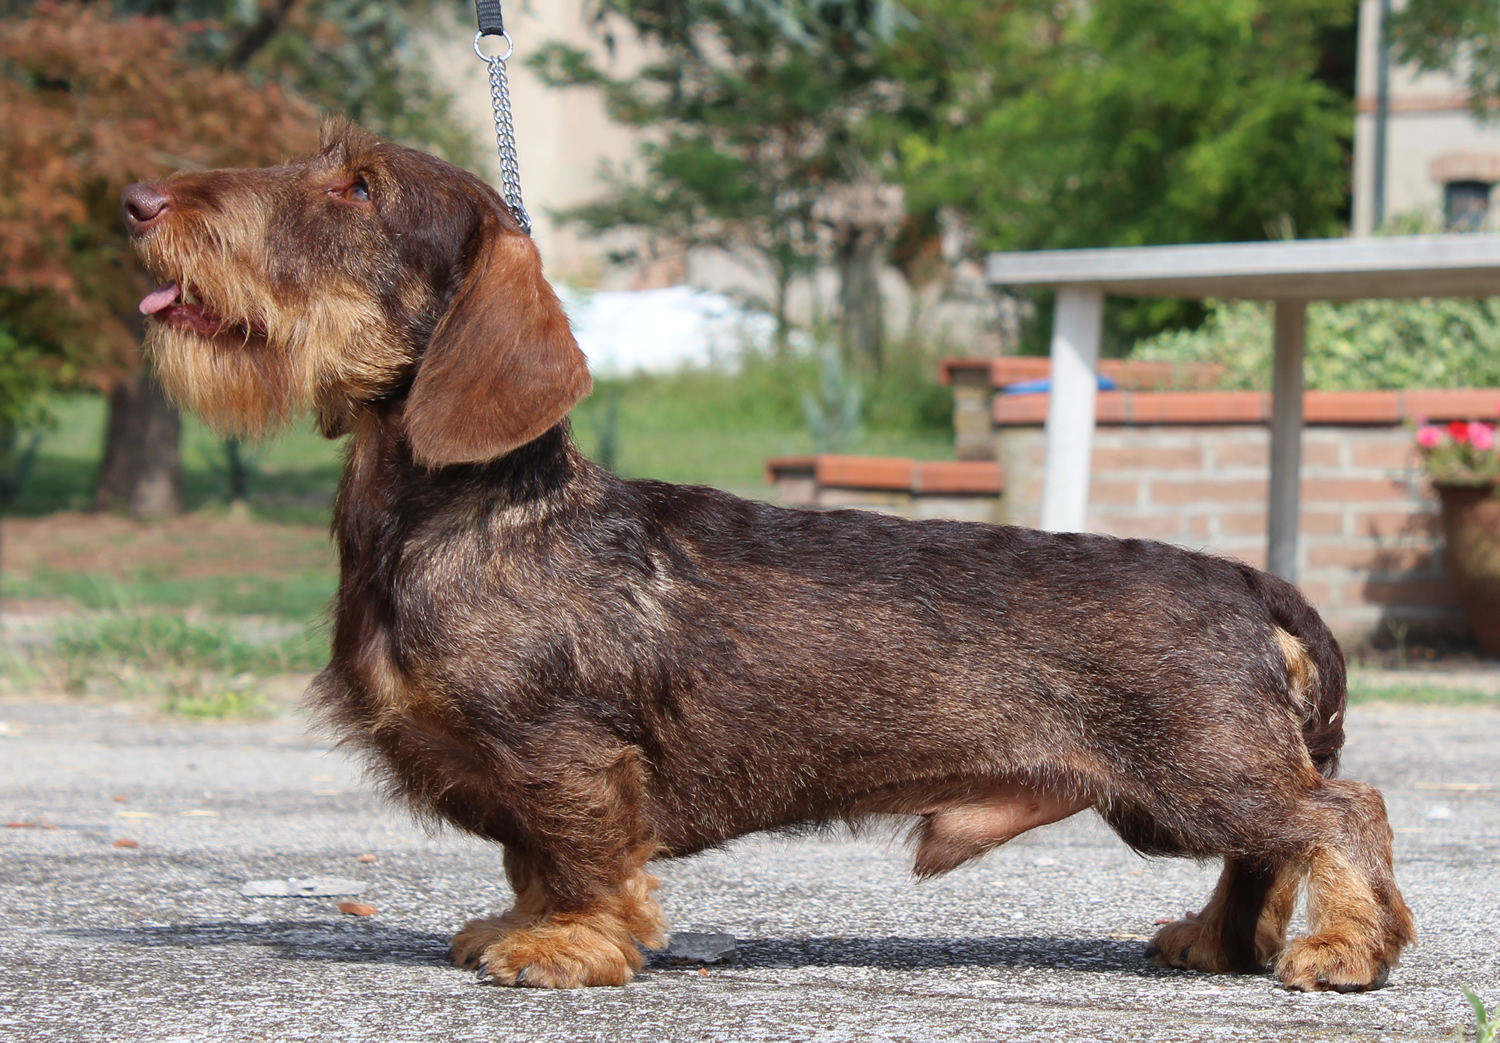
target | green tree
x=1127, y=122
x=763, y=137
x=1039, y=125
x=1461, y=37
x=27, y=373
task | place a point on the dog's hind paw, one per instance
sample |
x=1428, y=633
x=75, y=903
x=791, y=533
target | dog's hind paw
x=1325, y=962
x=1191, y=944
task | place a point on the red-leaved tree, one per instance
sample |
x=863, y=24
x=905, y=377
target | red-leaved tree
x=89, y=103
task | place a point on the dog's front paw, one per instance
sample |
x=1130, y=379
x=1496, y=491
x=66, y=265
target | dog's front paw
x=1328, y=962
x=1189, y=943
x=562, y=953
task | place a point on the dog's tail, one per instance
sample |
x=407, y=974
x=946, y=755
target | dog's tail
x=1315, y=667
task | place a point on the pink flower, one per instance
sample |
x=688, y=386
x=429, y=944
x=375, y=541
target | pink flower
x=1429, y=437
x=1481, y=436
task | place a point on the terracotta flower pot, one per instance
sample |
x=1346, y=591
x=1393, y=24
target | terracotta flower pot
x=1471, y=524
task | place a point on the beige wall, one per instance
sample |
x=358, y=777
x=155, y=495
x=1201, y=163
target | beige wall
x=561, y=135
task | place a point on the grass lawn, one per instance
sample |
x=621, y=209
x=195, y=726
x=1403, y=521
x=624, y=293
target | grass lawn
x=1420, y=691
x=702, y=427
x=295, y=472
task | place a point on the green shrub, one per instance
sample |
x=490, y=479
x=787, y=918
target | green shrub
x=1351, y=345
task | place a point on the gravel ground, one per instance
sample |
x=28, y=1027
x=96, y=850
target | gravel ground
x=1042, y=940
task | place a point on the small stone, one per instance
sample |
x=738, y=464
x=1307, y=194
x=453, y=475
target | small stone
x=127, y=842
x=357, y=908
x=694, y=947
x=265, y=889
x=120, y=798
x=366, y=859
x=1439, y=812
x=310, y=887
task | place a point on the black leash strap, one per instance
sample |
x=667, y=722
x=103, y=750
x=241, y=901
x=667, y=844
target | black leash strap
x=492, y=23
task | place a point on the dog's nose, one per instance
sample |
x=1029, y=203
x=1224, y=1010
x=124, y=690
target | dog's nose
x=143, y=205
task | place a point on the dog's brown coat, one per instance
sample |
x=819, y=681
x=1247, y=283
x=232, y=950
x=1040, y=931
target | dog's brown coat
x=595, y=672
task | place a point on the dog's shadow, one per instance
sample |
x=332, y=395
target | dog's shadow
x=335, y=942
x=896, y=953
x=374, y=942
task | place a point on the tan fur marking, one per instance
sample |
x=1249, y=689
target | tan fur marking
x=1303, y=672
x=1345, y=949
x=1276, y=914
x=1196, y=942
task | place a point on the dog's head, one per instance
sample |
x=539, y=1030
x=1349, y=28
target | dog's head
x=365, y=273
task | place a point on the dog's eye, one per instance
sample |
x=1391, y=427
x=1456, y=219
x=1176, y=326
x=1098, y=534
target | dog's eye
x=358, y=191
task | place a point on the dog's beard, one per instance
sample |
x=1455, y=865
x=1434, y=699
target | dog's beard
x=236, y=381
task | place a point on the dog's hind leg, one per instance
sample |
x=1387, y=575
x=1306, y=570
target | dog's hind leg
x=1357, y=919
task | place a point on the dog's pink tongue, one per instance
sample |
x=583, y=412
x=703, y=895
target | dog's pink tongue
x=160, y=298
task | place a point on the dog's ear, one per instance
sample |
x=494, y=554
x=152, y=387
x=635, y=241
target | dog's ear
x=501, y=367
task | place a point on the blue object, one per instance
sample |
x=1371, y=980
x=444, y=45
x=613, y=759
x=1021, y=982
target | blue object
x=1033, y=387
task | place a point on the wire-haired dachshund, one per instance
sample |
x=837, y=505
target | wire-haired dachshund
x=598, y=673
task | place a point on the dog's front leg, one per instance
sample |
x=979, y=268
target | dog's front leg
x=584, y=902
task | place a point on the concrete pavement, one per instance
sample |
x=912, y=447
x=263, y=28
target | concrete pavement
x=1042, y=940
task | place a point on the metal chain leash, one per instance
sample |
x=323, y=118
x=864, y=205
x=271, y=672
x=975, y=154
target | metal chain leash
x=491, y=24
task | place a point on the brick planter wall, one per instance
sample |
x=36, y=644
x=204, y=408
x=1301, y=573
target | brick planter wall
x=968, y=491
x=1191, y=468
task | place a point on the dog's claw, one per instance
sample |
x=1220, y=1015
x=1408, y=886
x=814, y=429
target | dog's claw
x=1342, y=987
x=483, y=974
x=521, y=976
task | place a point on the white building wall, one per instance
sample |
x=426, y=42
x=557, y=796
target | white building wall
x=1431, y=137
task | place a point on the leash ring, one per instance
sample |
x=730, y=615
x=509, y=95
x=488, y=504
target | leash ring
x=509, y=48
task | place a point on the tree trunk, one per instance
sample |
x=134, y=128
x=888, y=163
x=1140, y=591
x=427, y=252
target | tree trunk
x=860, y=257
x=861, y=216
x=142, y=468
